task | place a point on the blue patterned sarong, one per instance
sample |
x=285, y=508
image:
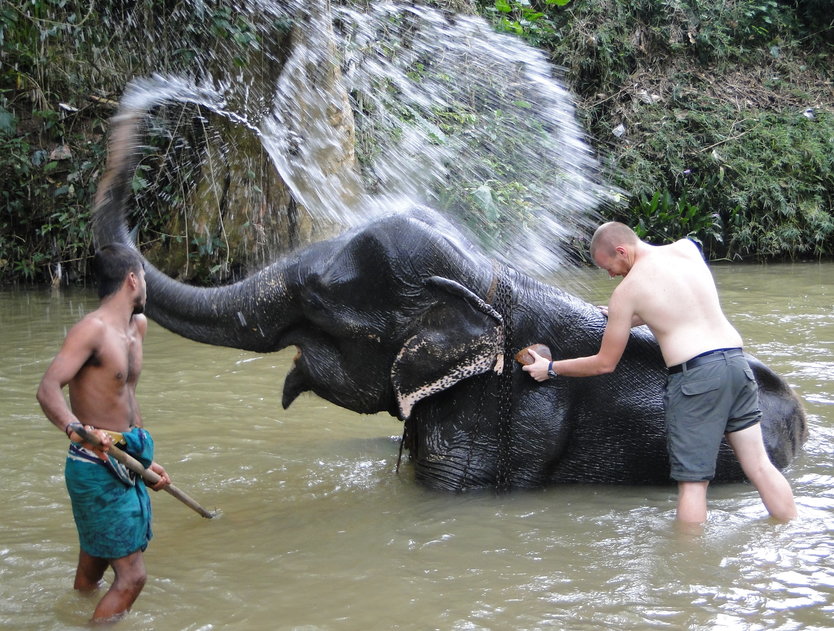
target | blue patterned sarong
x=110, y=504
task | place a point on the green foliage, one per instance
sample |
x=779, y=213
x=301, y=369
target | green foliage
x=664, y=219
x=706, y=99
x=770, y=177
x=521, y=17
x=63, y=64
x=496, y=200
x=710, y=96
x=237, y=29
x=781, y=187
x=44, y=226
x=205, y=252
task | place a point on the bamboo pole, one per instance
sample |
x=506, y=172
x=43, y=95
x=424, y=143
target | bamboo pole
x=149, y=476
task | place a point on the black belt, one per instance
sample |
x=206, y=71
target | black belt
x=704, y=358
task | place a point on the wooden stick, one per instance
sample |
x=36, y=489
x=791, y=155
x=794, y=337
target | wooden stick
x=149, y=476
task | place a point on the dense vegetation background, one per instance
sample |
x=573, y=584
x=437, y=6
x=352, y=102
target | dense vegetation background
x=717, y=117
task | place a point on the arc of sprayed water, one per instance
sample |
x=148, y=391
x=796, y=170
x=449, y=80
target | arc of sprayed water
x=455, y=115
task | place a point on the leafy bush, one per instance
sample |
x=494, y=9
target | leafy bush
x=44, y=229
x=63, y=64
x=707, y=100
x=704, y=102
x=664, y=219
x=781, y=187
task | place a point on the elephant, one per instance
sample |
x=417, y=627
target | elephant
x=404, y=315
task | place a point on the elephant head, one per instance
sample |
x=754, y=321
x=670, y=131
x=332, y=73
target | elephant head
x=404, y=315
x=381, y=317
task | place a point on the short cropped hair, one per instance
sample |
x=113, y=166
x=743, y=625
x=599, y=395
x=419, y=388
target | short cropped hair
x=112, y=264
x=610, y=235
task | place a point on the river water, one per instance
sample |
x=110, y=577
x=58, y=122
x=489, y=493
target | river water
x=319, y=532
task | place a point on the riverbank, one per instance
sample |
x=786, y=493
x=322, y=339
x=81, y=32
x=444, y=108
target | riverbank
x=713, y=122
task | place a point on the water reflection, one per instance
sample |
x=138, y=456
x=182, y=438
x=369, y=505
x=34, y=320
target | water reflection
x=318, y=531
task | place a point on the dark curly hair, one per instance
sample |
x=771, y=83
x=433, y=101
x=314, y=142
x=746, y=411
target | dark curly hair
x=112, y=264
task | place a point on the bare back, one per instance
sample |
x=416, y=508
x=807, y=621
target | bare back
x=671, y=289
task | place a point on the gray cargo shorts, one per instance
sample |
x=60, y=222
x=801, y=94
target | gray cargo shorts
x=702, y=403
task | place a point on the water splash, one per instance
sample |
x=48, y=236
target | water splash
x=376, y=110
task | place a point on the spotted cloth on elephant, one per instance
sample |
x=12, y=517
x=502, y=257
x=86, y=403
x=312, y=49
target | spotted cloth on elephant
x=110, y=504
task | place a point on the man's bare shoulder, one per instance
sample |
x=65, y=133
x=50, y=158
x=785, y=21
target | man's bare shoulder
x=140, y=321
x=669, y=258
x=687, y=247
x=82, y=341
x=625, y=292
x=91, y=325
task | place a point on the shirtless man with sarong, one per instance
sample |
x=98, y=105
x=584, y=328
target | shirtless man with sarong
x=100, y=360
x=710, y=392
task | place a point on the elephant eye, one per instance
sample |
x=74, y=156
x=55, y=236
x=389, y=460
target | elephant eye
x=316, y=304
x=312, y=301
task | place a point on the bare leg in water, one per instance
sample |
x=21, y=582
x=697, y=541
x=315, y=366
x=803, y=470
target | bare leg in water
x=772, y=486
x=129, y=579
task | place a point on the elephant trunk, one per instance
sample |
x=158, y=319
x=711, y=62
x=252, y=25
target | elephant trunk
x=114, y=193
x=249, y=315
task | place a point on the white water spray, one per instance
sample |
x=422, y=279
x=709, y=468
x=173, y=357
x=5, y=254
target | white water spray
x=380, y=109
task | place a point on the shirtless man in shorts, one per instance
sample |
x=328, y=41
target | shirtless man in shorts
x=100, y=360
x=710, y=391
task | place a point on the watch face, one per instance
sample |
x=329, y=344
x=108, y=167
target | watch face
x=550, y=373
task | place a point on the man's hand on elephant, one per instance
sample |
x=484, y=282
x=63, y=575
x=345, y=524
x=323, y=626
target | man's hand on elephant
x=538, y=369
x=603, y=309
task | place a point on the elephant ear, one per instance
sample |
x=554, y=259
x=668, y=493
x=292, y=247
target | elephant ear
x=458, y=337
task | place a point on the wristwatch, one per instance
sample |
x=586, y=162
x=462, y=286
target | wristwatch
x=550, y=372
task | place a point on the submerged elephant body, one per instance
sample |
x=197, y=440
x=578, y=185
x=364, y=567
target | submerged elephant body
x=404, y=316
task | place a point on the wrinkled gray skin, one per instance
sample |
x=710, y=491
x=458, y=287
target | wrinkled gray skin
x=394, y=317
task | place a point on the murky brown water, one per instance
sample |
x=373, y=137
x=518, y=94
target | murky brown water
x=318, y=531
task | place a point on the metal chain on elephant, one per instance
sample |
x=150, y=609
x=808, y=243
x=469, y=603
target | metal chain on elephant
x=503, y=304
